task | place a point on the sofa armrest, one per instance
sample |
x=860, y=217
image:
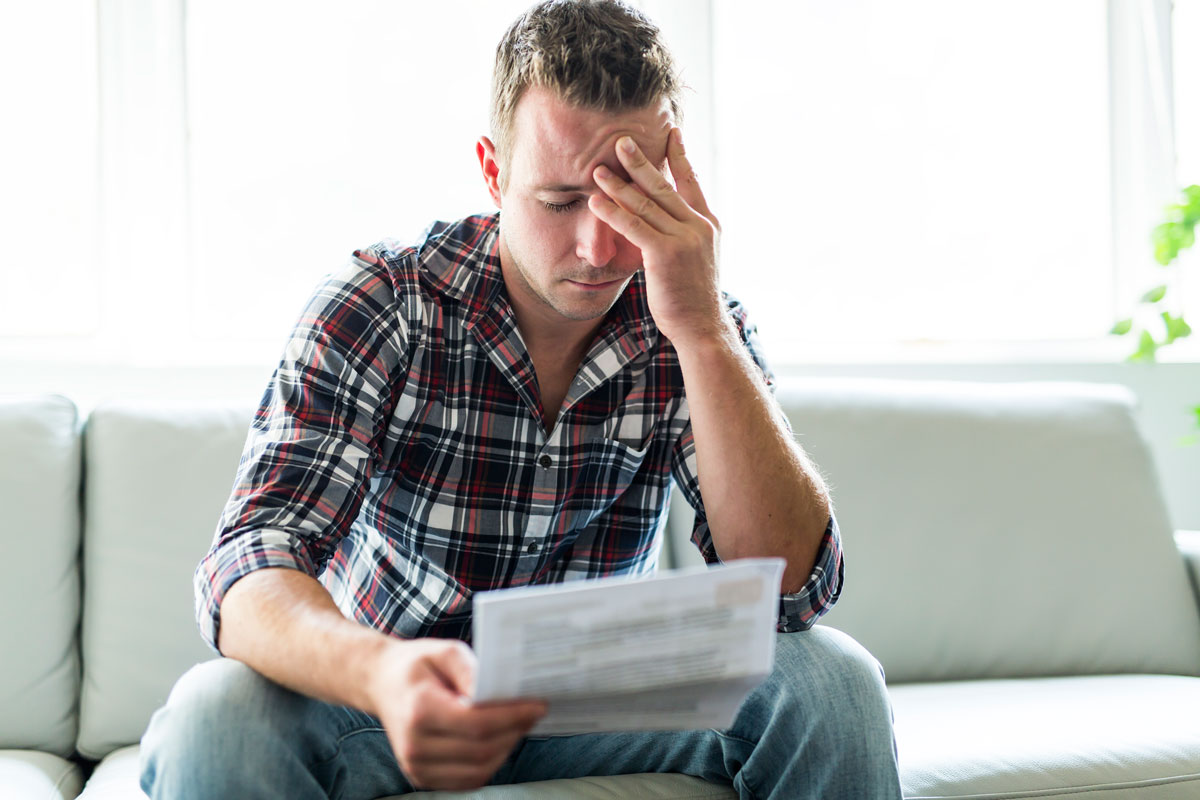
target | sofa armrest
x=1188, y=543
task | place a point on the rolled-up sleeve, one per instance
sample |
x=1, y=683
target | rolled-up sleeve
x=800, y=611
x=315, y=437
x=797, y=611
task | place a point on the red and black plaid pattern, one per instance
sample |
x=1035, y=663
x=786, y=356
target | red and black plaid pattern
x=399, y=451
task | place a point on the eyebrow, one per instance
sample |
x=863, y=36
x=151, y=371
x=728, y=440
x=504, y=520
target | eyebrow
x=561, y=188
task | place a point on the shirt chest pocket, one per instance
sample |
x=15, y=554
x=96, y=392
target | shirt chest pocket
x=602, y=472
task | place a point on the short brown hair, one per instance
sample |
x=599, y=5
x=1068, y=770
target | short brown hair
x=597, y=54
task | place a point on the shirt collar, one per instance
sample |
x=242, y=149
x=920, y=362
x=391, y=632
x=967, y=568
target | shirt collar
x=461, y=260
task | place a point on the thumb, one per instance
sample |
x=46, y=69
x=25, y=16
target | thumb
x=457, y=666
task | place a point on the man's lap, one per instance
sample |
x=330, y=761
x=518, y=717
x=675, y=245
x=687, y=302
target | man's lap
x=348, y=749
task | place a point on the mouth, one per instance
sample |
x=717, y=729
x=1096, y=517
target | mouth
x=596, y=286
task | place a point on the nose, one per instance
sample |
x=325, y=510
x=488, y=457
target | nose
x=595, y=243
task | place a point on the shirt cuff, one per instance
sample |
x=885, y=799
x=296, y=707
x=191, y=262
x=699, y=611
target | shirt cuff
x=236, y=558
x=801, y=610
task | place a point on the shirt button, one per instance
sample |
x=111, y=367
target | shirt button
x=533, y=547
x=545, y=461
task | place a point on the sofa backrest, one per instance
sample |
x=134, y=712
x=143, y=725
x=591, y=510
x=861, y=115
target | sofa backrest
x=991, y=530
x=998, y=530
x=39, y=593
x=157, y=479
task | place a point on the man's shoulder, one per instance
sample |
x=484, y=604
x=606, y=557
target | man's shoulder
x=441, y=240
x=444, y=257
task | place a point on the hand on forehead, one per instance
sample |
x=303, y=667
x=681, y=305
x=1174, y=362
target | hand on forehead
x=559, y=145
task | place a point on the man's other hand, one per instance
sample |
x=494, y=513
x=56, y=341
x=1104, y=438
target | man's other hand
x=676, y=232
x=421, y=693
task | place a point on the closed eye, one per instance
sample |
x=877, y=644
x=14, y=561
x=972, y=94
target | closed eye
x=560, y=208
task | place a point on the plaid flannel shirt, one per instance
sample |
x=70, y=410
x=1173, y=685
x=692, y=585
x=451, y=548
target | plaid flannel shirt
x=399, y=452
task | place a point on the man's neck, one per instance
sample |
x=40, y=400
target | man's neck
x=560, y=348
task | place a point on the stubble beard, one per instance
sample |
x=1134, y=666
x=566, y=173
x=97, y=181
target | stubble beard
x=574, y=314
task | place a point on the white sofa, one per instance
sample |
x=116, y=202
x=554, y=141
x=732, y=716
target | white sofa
x=1009, y=561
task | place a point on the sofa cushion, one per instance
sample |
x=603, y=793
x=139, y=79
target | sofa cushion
x=615, y=787
x=30, y=775
x=998, y=530
x=157, y=481
x=39, y=494
x=1098, y=736
x=116, y=778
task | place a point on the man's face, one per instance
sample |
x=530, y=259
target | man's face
x=559, y=261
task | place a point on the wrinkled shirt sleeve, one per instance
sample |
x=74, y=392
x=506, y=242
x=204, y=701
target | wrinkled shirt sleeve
x=798, y=611
x=313, y=441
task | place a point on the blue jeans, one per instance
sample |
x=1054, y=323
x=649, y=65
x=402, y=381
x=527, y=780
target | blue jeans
x=819, y=726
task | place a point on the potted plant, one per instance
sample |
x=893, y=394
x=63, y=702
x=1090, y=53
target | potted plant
x=1173, y=236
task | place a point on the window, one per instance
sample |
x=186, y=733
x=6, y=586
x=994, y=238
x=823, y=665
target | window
x=49, y=164
x=927, y=171
x=892, y=178
x=322, y=130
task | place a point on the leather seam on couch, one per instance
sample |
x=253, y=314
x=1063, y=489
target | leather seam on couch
x=64, y=777
x=1099, y=787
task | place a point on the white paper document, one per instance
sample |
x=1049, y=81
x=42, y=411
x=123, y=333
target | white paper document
x=675, y=652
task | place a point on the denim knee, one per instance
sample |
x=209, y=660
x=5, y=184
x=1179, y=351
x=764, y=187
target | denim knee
x=829, y=677
x=221, y=720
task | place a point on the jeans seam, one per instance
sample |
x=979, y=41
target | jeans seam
x=337, y=749
x=746, y=783
x=731, y=737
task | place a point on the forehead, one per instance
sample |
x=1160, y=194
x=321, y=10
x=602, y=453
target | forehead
x=555, y=143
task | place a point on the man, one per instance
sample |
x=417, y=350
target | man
x=505, y=404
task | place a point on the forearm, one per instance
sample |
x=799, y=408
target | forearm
x=284, y=624
x=762, y=495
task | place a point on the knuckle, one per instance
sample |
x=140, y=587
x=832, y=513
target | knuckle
x=408, y=753
x=467, y=782
x=422, y=710
x=477, y=730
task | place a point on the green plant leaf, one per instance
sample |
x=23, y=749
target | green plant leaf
x=1122, y=327
x=1165, y=246
x=1191, y=212
x=1147, y=348
x=1196, y=411
x=1176, y=327
x=1154, y=295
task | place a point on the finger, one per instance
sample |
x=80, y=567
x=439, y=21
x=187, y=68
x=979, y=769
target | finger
x=634, y=199
x=451, y=777
x=639, y=232
x=651, y=179
x=442, y=749
x=457, y=717
x=686, y=181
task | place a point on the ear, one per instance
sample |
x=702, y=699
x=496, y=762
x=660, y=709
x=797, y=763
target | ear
x=490, y=167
